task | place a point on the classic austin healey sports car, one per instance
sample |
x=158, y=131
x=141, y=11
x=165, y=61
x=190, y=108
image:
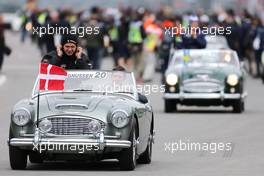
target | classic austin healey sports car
x=204, y=78
x=98, y=115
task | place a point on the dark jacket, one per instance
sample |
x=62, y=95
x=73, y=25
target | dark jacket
x=188, y=42
x=259, y=32
x=233, y=39
x=67, y=62
x=4, y=49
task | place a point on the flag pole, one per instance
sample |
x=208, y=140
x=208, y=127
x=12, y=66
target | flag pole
x=38, y=110
x=37, y=134
x=38, y=97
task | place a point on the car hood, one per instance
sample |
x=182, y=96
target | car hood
x=207, y=73
x=91, y=105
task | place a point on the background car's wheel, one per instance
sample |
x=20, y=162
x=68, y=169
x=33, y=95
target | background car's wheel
x=238, y=106
x=145, y=158
x=17, y=158
x=127, y=158
x=262, y=73
x=35, y=157
x=170, y=106
x=262, y=78
x=243, y=106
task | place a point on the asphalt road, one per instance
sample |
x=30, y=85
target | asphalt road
x=206, y=125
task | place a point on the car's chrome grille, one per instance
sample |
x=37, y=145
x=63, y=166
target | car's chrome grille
x=202, y=87
x=71, y=125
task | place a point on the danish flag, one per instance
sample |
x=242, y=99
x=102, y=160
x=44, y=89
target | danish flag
x=51, y=77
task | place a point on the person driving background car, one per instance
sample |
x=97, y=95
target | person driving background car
x=68, y=55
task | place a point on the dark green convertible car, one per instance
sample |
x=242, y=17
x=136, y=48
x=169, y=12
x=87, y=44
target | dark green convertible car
x=99, y=115
x=203, y=78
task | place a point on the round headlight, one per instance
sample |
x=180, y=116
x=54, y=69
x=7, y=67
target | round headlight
x=119, y=119
x=94, y=126
x=21, y=117
x=45, y=125
x=232, y=80
x=172, y=79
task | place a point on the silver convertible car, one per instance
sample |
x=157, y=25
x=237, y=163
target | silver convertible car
x=204, y=78
x=99, y=115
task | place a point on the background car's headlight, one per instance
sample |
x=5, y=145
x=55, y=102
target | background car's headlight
x=94, y=126
x=21, y=117
x=45, y=125
x=232, y=79
x=172, y=79
x=120, y=119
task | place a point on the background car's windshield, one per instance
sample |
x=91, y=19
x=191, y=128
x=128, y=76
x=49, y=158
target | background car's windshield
x=102, y=81
x=206, y=57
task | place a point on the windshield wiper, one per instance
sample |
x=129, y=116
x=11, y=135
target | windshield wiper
x=82, y=90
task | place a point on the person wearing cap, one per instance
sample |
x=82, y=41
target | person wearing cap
x=68, y=55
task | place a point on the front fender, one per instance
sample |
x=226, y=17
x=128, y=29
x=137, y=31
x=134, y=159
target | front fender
x=29, y=127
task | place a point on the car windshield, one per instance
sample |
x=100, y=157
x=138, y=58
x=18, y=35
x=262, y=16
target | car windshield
x=205, y=57
x=216, y=42
x=97, y=81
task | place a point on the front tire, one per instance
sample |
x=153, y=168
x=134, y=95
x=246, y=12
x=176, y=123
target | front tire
x=170, y=106
x=145, y=158
x=127, y=159
x=238, y=106
x=17, y=158
x=262, y=76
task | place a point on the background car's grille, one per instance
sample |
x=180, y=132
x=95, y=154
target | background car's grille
x=202, y=87
x=71, y=125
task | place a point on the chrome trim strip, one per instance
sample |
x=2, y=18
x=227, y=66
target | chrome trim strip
x=208, y=80
x=19, y=142
x=183, y=96
x=70, y=116
x=101, y=139
x=58, y=106
x=73, y=136
x=135, y=93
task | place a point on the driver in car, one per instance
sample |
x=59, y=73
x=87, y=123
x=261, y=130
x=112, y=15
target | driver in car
x=118, y=77
x=68, y=55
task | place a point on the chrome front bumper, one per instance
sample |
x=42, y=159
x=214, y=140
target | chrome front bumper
x=39, y=140
x=221, y=96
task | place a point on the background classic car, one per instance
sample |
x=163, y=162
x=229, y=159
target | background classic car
x=203, y=78
x=90, y=111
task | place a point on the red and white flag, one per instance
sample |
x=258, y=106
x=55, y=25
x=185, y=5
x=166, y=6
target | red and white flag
x=51, y=77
